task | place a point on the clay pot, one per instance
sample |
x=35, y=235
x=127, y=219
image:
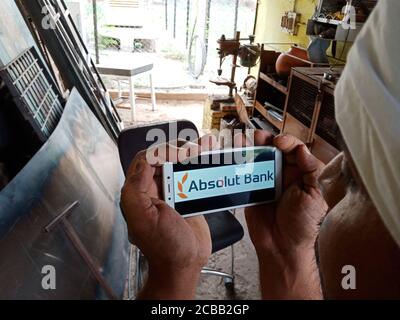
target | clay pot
x=287, y=60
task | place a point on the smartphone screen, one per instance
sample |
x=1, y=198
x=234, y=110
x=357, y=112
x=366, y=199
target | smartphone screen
x=223, y=180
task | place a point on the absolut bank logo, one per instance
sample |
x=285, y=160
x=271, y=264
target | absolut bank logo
x=230, y=181
x=218, y=181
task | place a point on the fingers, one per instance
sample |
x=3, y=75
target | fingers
x=136, y=193
x=287, y=143
x=132, y=168
x=310, y=167
x=207, y=142
x=240, y=140
x=165, y=152
x=175, y=151
x=179, y=150
x=306, y=161
x=140, y=176
x=191, y=149
x=253, y=138
x=263, y=138
x=295, y=151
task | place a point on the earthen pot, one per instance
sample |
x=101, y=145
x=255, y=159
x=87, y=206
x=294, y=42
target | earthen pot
x=288, y=60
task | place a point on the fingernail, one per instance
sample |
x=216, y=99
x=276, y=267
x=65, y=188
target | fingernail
x=282, y=137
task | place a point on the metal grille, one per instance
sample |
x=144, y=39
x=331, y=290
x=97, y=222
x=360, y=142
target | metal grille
x=327, y=127
x=302, y=100
x=68, y=49
x=27, y=79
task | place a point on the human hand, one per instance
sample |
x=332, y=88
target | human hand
x=284, y=233
x=176, y=248
x=292, y=222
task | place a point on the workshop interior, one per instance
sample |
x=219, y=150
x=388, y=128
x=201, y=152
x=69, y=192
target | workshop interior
x=75, y=74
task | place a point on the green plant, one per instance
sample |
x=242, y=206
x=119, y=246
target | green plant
x=109, y=42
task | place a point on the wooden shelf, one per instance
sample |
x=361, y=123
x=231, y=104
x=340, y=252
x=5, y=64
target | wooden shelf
x=336, y=22
x=257, y=123
x=274, y=83
x=244, y=107
x=294, y=103
x=275, y=122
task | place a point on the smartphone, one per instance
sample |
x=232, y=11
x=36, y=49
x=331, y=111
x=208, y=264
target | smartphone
x=223, y=180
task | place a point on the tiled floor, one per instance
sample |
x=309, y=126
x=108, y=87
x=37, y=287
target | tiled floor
x=245, y=260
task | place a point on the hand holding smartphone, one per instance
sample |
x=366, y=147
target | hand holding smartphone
x=223, y=180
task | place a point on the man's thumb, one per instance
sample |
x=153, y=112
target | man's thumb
x=141, y=177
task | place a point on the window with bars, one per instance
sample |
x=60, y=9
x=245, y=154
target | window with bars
x=34, y=92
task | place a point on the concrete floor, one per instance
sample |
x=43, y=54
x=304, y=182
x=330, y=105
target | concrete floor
x=166, y=110
x=245, y=259
x=245, y=271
